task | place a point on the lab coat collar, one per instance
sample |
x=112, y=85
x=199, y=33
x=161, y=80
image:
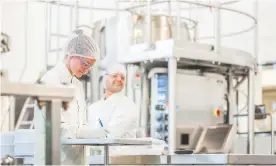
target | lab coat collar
x=65, y=75
x=113, y=96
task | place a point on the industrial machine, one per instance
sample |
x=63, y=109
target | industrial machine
x=196, y=102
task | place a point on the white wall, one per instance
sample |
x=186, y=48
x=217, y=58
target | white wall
x=13, y=23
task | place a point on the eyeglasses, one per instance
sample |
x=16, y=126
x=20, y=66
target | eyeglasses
x=84, y=63
x=115, y=75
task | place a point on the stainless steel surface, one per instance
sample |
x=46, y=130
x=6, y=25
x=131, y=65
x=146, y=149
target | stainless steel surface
x=107, y=141
x=125, y=160
x=217, y=159
x=162, y=28
x=172, y=68
x=188, y=52
x=251, y=111
x=202, y=52
x=36, y=90
x=50, y=95
x=189, y=159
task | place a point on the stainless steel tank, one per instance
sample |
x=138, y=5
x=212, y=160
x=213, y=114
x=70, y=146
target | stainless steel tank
x=162, y=28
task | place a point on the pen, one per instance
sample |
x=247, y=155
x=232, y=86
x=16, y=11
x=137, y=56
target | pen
x=101, y=124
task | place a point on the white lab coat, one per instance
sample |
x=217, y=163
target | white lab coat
x=72, y=119
x=119, y=116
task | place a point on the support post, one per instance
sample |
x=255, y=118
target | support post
x=53, y=115
x=172, y=67
x=40, y=136
x=251, y=111
x=231, y=99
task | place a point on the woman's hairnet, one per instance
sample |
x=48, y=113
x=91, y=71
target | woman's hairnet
x=81, y=45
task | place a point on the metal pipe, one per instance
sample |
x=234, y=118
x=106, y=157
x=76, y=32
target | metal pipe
x=25, y=40
x=251, y=111
x=178, y=20
x=169, y=8
x=58, y=30
x=50, y=26
x=76, y=14
x=12, y=113
x=106, y=155
x=258, y=86
x=272, y=133
x=217, y=27
x=239, y=83
x=145, y=99
x=94, y=73
x=117, y=44
x=82, y=7
x=46, y=35
x=71, y=20
x=172, y=68
x=148, y=24
x=256, y=33
x=231, y=99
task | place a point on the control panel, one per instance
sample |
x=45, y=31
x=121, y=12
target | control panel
x=199, y=102
x=159, y=112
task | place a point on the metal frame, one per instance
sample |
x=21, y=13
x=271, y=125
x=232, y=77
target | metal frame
x=52, y=97
x=174, y=58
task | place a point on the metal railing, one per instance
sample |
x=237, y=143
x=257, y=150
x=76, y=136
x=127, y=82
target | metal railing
x=271, y=125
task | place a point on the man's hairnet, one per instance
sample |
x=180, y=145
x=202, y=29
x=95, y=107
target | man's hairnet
x=81, y=45
x=113, y=69
x=116, y=68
